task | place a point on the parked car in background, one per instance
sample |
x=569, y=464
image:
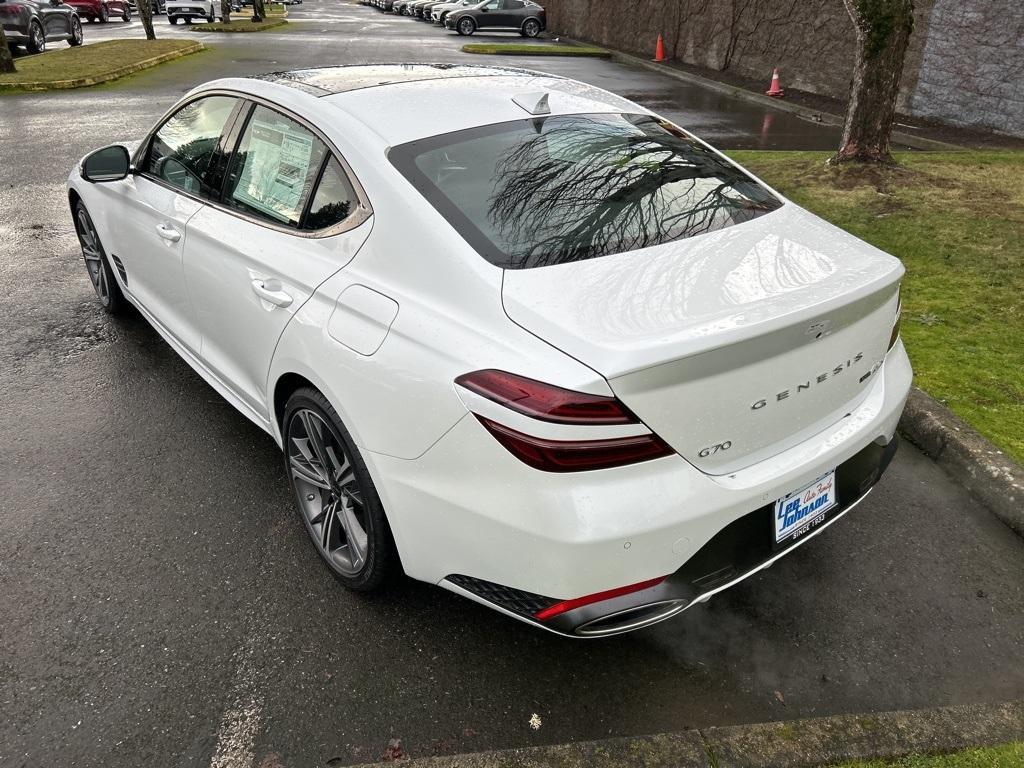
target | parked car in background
x=33, y=24
x=400, y=7
x=424, y=7
x=522, y=16
x=156, y=7
x=208, y=10
x=102, y=10
x=440, y=12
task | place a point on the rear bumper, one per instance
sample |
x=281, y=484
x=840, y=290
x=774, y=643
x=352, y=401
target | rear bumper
x=16, y=33
x=735, y=553
x=469, y=516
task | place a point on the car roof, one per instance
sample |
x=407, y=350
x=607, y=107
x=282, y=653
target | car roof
x=402, y=103
x=399, y=103
x=331, y=80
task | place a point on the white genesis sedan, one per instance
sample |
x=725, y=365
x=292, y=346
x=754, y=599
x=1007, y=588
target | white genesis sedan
x=516, y=336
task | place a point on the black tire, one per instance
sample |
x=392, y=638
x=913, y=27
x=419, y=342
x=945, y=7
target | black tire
x=172, y=19
x=100, y=274
x=381, y=560
x=531, y=28
x=210, y=19
x=126, y=14
x=465, y=26
x=77, y=36
x=188, y=19
x=104, y=14
x=36, y=38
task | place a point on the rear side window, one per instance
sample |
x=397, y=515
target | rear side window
x=183, y=149
x=272, y=173
x=334, y=200
x=553, y=190
x=514, y=5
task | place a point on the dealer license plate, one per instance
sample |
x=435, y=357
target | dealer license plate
x=804, y=509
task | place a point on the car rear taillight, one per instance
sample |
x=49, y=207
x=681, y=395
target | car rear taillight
x=896, y=327
x=546, y=401
x=577, y=455
x=579, y=602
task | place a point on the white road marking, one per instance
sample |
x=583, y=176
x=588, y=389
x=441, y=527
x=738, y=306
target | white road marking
x=241, y=721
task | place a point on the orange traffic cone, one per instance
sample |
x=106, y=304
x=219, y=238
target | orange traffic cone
x=775, y=89
x=659, y=50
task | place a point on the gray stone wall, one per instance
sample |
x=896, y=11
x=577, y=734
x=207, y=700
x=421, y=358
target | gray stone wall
x=972, y=67
x=965, y=65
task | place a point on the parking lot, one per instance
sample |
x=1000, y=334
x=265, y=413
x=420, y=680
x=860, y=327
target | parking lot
x=161, y=603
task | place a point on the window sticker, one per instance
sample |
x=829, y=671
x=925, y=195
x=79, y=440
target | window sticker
x=276, y=167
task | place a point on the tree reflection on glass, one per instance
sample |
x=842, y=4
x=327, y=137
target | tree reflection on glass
x=584, y=186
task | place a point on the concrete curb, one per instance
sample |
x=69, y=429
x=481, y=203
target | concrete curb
x=812, y=115
x=794, y=744
x=987, y=473
x=114, y=74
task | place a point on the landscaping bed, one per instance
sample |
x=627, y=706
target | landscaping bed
x=241, y=24
x=957, y=221
x=241, y=21
x=92, y=64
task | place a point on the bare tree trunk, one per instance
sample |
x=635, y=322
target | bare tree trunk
x=145, y=8
x=225, y=11
x=259, y=12
x=883, y=32
x=6, y=60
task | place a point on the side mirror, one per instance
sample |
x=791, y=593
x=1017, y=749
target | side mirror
x=108, y=164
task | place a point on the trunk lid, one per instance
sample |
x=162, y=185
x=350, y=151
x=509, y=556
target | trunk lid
x=751, y=338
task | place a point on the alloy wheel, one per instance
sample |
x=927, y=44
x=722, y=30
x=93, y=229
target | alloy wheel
x=93, y=255
x=76, y=32
x=38, y=39
x=328, y=493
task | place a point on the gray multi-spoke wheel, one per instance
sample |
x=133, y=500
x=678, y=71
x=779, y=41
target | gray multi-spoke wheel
x=96, y=264
x=76, y=32
x=36, y=38
x=466, y=26
x=335, y=495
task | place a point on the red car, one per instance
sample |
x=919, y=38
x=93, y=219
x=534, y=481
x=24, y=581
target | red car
x=102, y=10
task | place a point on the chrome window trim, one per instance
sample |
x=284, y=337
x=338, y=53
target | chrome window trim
x=362, y=212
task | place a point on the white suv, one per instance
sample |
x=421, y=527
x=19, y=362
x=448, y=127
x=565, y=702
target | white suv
x=192, y=9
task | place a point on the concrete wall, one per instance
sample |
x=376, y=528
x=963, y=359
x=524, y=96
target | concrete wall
x=965, y=64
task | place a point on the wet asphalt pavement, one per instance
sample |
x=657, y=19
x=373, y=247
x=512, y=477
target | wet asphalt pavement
x=159, y=602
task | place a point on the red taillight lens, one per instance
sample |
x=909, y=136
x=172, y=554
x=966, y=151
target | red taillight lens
x=577, y=455
x=895, y=328
x=579, y=602
x=546, y=401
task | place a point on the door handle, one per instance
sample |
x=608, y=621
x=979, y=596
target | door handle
x=270, y=290
x=168, y=233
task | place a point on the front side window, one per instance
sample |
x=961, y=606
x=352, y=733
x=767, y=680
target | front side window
x=274, y=168
x=183, y=149
x=542, y=191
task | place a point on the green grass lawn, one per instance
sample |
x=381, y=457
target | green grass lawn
x=88, y=61
x=525, y=49
x=957, y=221
x=1007, y=756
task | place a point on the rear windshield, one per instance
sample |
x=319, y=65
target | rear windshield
x=543, y=191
